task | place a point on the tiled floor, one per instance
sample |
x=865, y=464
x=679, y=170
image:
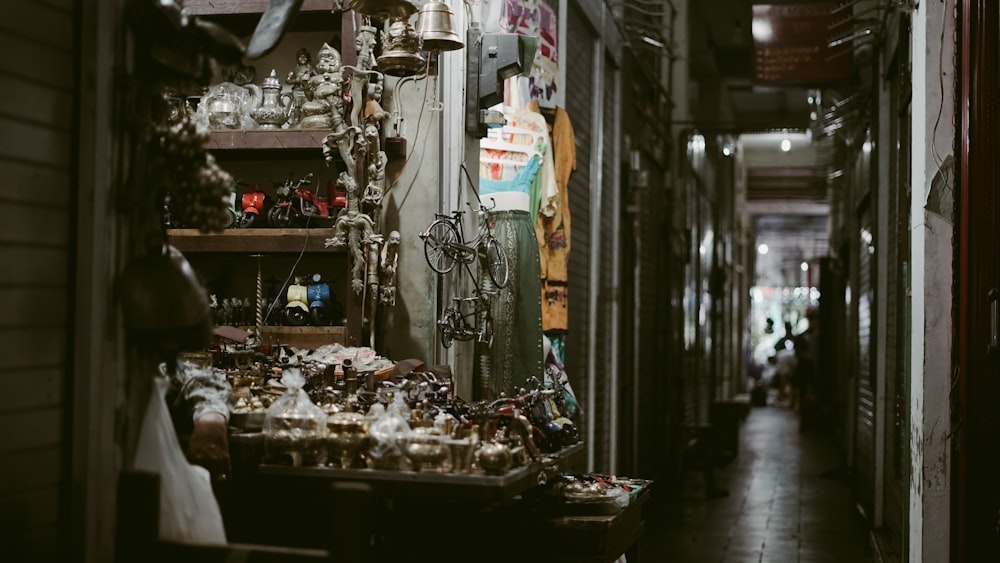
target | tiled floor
x=783, y=505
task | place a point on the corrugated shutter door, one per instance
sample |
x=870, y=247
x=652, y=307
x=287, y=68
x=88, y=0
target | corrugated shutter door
x=865, y=426
x=606, y=275
x=579, y=102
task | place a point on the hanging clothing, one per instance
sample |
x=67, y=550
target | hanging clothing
x=522, y=180
x=516, y=353
x=552, y=229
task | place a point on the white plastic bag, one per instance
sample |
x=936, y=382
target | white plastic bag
x=189, y=512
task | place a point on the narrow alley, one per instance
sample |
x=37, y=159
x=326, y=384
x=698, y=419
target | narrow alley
x=787, y=502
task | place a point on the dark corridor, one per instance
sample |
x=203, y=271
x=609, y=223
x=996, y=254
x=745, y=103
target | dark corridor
x=787, y=503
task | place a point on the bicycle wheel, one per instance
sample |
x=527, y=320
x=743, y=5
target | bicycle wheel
x=496, y=263
x=438, y=246
x=448, y=325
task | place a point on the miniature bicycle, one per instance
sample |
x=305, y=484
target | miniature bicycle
x=455, y=323
x=445, y=245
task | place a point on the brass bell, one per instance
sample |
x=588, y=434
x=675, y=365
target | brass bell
x=401, y=50
x=390, y=8
x=434, y=24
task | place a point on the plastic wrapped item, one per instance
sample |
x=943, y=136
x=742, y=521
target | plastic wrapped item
x=347, y=437
x=188, y=512
x=584, y=494
x=294, y=427
x=386, y=431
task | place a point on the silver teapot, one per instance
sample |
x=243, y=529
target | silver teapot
x=271, y=109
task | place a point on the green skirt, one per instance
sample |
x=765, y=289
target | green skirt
x=516, y=353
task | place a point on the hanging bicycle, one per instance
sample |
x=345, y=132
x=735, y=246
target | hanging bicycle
x=456, y=324
x=445, y=245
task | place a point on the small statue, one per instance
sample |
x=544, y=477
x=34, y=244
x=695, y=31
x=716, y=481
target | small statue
x=324, y=90
x=373, y=107
x=298, y=79
x=387, y=265
x=364, y=46
x=375, y=189
x=239, y=74
x=352, y=231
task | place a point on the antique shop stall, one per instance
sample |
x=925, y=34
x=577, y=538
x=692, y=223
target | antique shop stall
x=270, y=137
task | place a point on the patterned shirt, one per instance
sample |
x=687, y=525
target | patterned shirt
x=195, y=390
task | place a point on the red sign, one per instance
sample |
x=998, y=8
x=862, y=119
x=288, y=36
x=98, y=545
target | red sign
x=790, y=43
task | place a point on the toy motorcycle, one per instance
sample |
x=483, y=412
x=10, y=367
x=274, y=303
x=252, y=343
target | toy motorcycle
x=233, y=215
x=324, y=309
x=253, y=203
x=301, y=206
x=296, y=305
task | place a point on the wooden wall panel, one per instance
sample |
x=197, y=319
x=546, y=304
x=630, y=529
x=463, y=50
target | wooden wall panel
x=34, y=102
x=42, y=185
x=32, y=428
x=48, y=144
x=40, y=63
x=40, y=22
x=38, y=75
x=34, y=266
x=36, y=388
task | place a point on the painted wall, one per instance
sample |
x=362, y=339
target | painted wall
x=931, y=351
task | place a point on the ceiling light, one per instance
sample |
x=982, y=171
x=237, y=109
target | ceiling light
x=652, y=41
x=786, y=145
x=762, y=248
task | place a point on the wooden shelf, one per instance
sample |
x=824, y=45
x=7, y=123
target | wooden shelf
x=306, y=337
x=242, y=7
x=263, y=139
x=261, y=240
x=469, y=487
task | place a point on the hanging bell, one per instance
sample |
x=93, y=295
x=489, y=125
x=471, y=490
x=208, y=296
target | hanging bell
x=384, y=8
x=401, y=50
x=434, y=24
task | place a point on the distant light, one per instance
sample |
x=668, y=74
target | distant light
x=786, y=145
x=726, y=151
x=866, y=147
x=762, y=249
x=761, y=30
x=811, y=99
x=804, y=266
x=652, y=41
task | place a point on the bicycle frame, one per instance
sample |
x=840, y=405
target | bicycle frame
x=454, y=323
x=445, y=245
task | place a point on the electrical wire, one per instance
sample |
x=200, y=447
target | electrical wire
x=291, y=273
x=420, y=117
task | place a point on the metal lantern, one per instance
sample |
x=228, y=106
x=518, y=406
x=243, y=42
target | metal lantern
x=401, y=50
x=390, y=8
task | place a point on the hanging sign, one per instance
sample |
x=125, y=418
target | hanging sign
x=791, y=43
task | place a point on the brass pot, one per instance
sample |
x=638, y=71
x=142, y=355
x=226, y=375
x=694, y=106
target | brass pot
x=346, y=436
x=494, y=458
x=425, y=447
